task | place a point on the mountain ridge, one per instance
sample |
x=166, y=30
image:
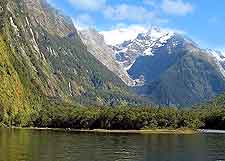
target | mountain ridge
x=149, y=58
x=96, y=45
x=43, y=60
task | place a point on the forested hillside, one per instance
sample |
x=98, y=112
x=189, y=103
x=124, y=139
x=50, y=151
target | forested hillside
x=42, y=60
x=49, y=79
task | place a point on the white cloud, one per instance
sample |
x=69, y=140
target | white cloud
x=92, y=5
x=83, y=21
x=122, y=33
x=179, y=31
x=176, y=7
x=122, y=12
x=128, y=12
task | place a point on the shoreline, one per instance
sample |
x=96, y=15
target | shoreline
x=210, y=131
x=143, y=131
x=182, y=131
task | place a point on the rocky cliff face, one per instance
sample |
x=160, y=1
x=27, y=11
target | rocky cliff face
x=42, y=58
x=174, y=70
x=144, y=45
x=194, y=78
x=165, y=66
x=96, y=46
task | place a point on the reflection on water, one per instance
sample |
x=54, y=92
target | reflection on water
x=34, y=145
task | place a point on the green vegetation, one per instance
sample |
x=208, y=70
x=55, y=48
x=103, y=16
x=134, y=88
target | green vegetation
x=58, y=115
x=44, y=75
x=184, y=83
x=37, y=65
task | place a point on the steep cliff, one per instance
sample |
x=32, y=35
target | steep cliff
x=42, y=59
x=174, y=70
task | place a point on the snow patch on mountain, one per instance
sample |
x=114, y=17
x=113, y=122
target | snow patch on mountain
x=97, y=47
x=128, y=67
x=222, y=71
x=220, y=59
x=157, y=34
x=144, y=44
x=217, y=54
x=149, y=52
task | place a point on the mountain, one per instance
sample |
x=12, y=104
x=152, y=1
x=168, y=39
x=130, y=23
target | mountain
x=97, y=47
x=218, y=56
x=42, y=60
x=144, y=45
x=174, y=69
x=166, y=67
x=45, y=60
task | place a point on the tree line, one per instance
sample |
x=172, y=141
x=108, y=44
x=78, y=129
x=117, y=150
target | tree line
x=66, y=116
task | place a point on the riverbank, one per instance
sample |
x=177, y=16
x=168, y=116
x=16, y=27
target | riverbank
x=143, y=131
x=212, y=131
x=146, y=131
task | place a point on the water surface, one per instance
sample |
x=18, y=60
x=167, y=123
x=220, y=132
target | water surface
x=35, y=145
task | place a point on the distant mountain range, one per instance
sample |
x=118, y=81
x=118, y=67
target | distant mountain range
x=167, y=67
x=45, y=60
x=96, y=45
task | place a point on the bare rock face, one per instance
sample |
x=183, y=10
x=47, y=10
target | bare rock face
x=175, y=69
x=1, y=9
x=51, y=19
x=96, y=46
x=43, y=58
x=168, y=67
x=143, y=45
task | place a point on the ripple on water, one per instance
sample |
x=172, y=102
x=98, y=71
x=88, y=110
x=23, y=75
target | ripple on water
x=33, y=145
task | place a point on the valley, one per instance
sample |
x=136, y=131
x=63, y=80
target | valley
x=166, y=67
x=53, y=75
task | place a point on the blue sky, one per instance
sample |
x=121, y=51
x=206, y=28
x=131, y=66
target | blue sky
x=201, y=20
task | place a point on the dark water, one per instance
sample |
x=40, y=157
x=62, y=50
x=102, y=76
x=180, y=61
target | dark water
x=33, y=145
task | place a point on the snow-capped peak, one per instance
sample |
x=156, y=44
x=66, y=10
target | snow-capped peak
x=143, y=45
x=220, y=56
x=156, y=33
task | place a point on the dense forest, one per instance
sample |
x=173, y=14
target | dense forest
x=43, y=63
x=58, y=115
